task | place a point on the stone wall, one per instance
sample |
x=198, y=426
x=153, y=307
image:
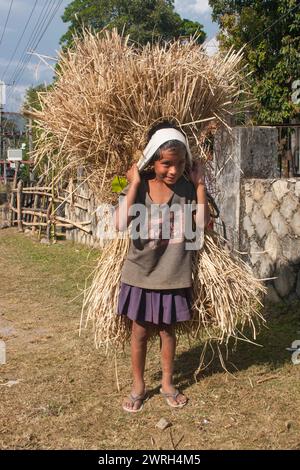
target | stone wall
x=270, y=233
x=260, y=211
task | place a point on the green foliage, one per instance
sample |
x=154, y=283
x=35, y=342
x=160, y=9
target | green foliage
x=118, y=184
x=24, y=174
x=32, y=102
x=271, y=36
x=191, y=28
x=31, y=97
x=145, y=20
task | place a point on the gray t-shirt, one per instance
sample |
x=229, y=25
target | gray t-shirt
x=158, y=258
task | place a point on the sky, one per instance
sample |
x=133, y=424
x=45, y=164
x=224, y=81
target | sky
x=26, y=56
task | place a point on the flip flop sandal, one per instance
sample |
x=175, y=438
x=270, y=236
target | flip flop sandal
x=174, y=396
x=133, y=399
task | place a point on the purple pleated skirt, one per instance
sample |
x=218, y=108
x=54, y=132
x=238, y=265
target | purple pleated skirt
x=164, y=306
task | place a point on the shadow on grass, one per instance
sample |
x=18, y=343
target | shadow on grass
x=282, y=328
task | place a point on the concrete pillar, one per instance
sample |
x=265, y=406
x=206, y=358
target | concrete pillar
x=246, y=152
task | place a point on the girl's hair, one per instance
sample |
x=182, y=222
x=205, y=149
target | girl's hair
x=171, y=144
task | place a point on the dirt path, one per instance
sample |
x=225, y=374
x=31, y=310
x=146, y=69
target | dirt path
x=58, y=392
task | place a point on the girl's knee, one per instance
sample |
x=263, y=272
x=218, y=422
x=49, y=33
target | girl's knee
x=167, y=331
x=139, y=331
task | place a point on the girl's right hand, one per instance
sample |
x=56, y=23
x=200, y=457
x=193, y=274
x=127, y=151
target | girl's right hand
x=133, y=175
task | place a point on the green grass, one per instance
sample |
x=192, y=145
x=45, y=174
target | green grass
x=62, y=268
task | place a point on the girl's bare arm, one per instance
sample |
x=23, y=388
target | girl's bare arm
x=197, y=176
x=202, y=216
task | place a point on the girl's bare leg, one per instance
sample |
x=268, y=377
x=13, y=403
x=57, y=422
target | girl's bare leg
x=139, y=337
x=168, y=348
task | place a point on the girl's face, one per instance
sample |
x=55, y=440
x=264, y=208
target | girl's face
x=170, y=166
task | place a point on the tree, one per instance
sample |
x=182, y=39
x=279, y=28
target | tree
x=31, y=97
x=32, y=102
x=144, y=20
x=270, y=32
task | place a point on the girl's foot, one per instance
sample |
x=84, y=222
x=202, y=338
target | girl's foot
x=173, y=397
x=134, y=402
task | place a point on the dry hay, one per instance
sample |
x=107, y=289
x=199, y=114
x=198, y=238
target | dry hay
x=107, y=95
x=109, y=92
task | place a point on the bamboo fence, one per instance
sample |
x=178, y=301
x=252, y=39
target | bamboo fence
x=43, y=208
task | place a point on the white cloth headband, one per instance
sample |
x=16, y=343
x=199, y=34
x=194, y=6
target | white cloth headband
x=159, y=138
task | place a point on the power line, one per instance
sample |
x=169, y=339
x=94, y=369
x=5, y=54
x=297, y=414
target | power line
x=7, y=18
x=20, y=39
x=17, y=78
x=36, y=28
x=47, y=11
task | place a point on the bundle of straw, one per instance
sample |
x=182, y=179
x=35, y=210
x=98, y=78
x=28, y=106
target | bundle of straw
x=107, y=95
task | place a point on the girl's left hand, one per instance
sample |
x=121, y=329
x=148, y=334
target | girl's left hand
x=197, y=173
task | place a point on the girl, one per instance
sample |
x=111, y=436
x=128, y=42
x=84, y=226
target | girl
x=157, y=274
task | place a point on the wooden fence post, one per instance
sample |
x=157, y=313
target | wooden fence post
x=19, y=205
x=49, y=211
x=35, y=204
